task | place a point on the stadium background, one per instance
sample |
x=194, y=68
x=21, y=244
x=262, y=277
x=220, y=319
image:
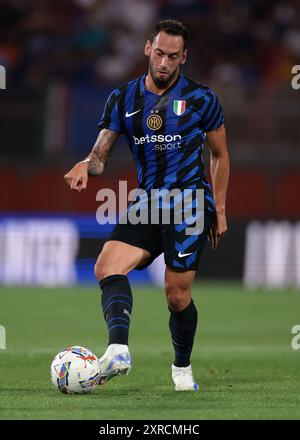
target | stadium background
x=63, y=58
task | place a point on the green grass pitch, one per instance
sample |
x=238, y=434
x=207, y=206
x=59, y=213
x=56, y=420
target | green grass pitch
x=242, y=359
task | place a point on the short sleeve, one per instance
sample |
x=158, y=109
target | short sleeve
x=111, y=118
x=213, y=114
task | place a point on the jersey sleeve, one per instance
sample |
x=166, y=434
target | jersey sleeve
x=213, y=114
x=111, y=117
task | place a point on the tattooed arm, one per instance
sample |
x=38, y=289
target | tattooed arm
x=97, y=159
x=95, y=162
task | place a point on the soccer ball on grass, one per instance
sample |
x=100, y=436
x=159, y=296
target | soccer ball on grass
x=75, y=370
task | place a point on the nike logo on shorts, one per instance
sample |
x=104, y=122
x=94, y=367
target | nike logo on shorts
x=180, y=255
x=127, y=115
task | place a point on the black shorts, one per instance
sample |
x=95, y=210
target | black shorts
x=181, y=251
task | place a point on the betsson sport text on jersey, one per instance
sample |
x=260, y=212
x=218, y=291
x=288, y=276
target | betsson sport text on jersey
x=166, y=142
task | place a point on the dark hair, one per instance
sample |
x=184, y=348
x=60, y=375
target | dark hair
x=170, y=27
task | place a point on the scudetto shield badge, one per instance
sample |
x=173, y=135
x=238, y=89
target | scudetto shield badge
x=179, y=107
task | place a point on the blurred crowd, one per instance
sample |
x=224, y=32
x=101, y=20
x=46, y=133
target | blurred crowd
x=251, y=43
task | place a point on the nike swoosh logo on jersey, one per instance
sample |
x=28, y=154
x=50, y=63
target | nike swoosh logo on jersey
x=127, y=115
x=180, y=255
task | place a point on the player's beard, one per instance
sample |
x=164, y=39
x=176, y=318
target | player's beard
x=162, y=83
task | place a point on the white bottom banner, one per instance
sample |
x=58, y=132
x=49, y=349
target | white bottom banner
x=272, y=255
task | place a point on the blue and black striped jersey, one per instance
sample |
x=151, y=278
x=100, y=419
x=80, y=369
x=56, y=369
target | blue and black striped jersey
x=165, y=132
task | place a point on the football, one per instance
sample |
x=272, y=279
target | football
x=75, y=370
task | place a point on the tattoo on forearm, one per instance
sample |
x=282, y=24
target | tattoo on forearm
x=101, y=151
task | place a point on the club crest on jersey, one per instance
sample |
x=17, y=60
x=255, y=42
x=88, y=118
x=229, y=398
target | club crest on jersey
x=179, y=107
x=154, y=122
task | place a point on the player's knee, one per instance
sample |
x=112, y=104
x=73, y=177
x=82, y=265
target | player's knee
x=104, y=268
x=177, y=297
x=99, y=270
x=102, y=271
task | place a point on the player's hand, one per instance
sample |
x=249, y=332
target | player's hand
x=77, y=177
x=218, y=230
